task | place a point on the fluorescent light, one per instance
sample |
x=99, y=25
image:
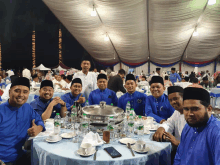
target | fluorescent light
x=195, y=33
x=93, y=13
x=106, y=38
x=212, y=2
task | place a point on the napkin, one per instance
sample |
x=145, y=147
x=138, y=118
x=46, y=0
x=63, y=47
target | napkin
x=93, y=138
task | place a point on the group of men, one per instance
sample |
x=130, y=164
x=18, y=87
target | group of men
x=186, y=113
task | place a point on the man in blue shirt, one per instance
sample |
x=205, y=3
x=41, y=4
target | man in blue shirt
x=17, y=121
x=200, y=139
x=45, y=105
x=136, y=99
x=74, y=95
x=103, y=93
x=158, y=105
x=174, y=76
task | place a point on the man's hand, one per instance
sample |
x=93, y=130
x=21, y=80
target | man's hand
x=158, y=136
x=34, y=130
x=81, y=99
x=61, y=101
x=172, y=139
x=161, y=122
x=55, y=101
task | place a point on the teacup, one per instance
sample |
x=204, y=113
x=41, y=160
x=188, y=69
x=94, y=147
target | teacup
x=54, y=136
x=140, y=145
x=86, y=148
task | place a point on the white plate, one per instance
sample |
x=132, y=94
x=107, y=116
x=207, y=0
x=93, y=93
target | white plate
x=127, y=140
x=147, y=132
x=140, y=151
x=68, y=135
x=53, y=141
x=50, y=120
x=88, y=154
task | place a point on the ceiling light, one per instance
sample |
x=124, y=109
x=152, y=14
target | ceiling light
x=212, y=2
x=106, y=37
x=93, y=12
x=195, y=33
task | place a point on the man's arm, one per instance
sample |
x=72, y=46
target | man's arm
x=178, y=76
x=114, y=99
x=120, y=105
x=90, y=99
x=120, y=85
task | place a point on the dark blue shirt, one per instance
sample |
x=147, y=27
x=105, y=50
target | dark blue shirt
x=69, y=99
x=137, y=101
x=40, y=106
x=159, y=108
x=200, y=146
x=14, y=123
x=174, y=77
x=106, y=95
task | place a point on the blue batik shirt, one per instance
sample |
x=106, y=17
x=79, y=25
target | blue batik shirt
x=137, y=101
x=200, y=146
x=69, y=99
x=14, y=123
x=106, y=95
x=174, y=77
x=159, y=108
x=40, y=106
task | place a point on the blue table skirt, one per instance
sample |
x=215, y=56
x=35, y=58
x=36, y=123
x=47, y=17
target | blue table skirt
x=65, y=153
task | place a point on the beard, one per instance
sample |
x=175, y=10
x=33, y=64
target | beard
x=201, y=122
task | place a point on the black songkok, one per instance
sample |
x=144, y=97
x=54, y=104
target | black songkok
x=174, y=89
x=13, y=77
x=157, y=79
x=192, y=93
x=101, y=76
x=46, y=83
x=21, y=81
x=76, y=80
x=69, y=77
x=34, y=76
x=130, y=77
x=157, y=69
x=173, y=69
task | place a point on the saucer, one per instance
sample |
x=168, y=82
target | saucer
x=140, y=151
x=68, y=135
x=88, y=154
x=127, y=140
x=53, y=141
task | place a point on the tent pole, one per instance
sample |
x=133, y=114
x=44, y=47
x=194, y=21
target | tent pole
x=120, y=66
x=180, y=66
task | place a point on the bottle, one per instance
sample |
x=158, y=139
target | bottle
x=57, y=123
x=131, y=126
x=128, y=108
x=87, y=103
x=112, y=104
x=110, y=127
x=73, y=116
x=84, y=124
x=140, y=127
x=208, y=87
x=133, y=113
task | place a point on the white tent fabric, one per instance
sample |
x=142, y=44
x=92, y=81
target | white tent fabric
x=41, y=67
x=59, y=68
x=171, y=25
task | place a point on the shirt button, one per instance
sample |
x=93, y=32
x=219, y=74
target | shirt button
x=195, y=132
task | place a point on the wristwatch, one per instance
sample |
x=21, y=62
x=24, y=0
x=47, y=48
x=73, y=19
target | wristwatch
x=63, y=105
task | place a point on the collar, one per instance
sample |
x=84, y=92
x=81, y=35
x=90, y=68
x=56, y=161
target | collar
x=160, y=98
x=43, y=101
x=102, y=90
x=71, y=95
x=84, y=73
x=133, y=94
x=200, y=129
x=11, y=107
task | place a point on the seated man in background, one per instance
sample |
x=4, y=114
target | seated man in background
x=74, y=95
x=195, y=83
x=167, y=82
x=158, y=105
x=102, y=93
x=35, y=80
x=59, y=81
x=45, y=105
x=68, y=82
x=5, y=95
x=115, y=83
x=137, y=99
x=143, y=81
x=200, y=138
x=17, y=121
x=205, y=82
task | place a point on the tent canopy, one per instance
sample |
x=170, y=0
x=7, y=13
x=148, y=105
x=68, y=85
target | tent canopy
x=59, y=68
x=139, y=30
x=41, y=67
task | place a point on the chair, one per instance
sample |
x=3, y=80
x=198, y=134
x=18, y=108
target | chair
x=215, y=97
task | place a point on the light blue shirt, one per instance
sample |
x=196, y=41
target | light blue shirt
x=174, y=77
x=137, y=101
x=200, y=146
x=14, y=123
x=69, y=99
x=106, y=95
x=159, y=108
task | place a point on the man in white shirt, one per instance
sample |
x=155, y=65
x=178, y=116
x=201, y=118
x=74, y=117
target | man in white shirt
x=10, y=72
x=176, y=122
x=35, y=81
x=60, y=82
x=68, y=82
x=89, y=79
x=5, y=95
x=26, y=73
x=96, y=72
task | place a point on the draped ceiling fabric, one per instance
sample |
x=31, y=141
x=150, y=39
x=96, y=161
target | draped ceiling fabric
x=170, y=23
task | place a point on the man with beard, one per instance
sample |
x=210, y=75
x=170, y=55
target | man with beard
x=89, y=79
x=74, y=95
x=200, y=139
x=45, y=105
x=17, y=121
x=136, y=99
x=158, y=105
x=103, y=93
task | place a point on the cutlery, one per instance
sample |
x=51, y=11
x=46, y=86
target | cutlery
x=95, y=153
x=129, y=146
